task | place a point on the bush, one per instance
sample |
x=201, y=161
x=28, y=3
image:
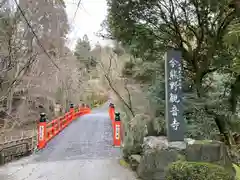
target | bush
x=183, y=170
x=96, y=99
x=237, y=169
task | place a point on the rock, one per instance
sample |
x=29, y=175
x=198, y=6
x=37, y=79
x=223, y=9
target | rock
x=152, y=142
x=180, y=145
x=157, y=154
x=210, y=151
x=130, y=148
x=161, y=142
x=134, y=161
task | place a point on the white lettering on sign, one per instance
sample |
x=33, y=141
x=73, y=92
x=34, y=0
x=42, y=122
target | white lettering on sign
x=173, y=74
x=175, y=124
x=173, y=63
x=174, y=110
x=117, y=131
x=174, y=98
x=41, y=132
x=174, y=86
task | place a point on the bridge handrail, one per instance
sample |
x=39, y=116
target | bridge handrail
x=52, y=129
x=48, y=130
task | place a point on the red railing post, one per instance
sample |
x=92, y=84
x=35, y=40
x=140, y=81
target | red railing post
x=83, y=109
x=111, y=111
x=79, y=111
x=61, y=123
x=53, y=127
x=67, y=118
x=42, y=131
x=71, y=112
x=88, y=109
x=117, y=130
x=58, y=125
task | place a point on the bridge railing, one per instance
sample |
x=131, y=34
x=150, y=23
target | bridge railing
x=116, y=126
x=48, y=130
x=16, y=147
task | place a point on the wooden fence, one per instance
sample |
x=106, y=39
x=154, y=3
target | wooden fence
x=13, y=148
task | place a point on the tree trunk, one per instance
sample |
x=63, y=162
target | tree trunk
x=225, y=130
x=223, y=127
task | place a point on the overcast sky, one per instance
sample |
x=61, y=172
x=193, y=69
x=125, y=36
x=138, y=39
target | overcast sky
x=88, y=19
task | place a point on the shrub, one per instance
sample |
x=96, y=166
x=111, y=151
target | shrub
x=183, y=170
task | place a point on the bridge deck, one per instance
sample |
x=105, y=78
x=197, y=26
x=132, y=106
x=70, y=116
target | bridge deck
x=83, y=151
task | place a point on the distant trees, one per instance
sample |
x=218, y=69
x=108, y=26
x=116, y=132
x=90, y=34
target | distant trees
x=49, y=21
x=84, y=53
x=28, y=48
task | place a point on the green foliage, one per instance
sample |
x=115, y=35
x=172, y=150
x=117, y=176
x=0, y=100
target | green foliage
x=237, y=169
x=118, y=49
x=206, y=32
x=159, y=125
x=128, y=69
x=82, y=49
x=232, y=39
x=136, y=131
x=182, y=170
x=99, y=100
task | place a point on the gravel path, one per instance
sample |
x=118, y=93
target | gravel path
x=83, y=151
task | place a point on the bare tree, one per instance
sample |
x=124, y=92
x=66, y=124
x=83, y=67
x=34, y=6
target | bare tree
x=107, y=71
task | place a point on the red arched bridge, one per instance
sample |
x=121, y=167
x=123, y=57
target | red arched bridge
x=81, y=145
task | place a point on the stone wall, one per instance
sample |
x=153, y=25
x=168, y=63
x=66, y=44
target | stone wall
x=158, y=153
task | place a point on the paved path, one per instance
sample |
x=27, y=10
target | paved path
x=83, y=151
